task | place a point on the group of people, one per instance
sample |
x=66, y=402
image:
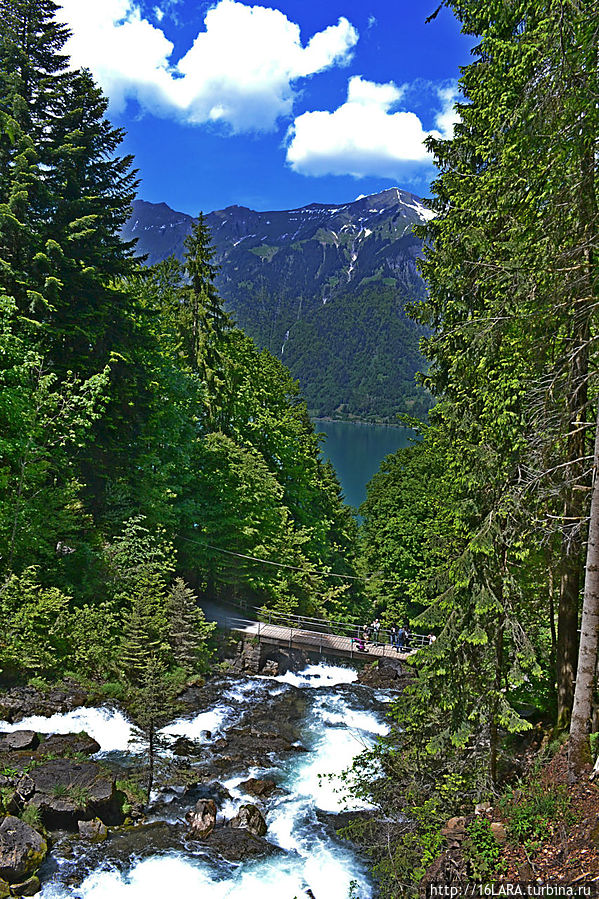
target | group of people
x=399, y=637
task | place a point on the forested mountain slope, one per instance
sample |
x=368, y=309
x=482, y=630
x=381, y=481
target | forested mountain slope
x=323, y=288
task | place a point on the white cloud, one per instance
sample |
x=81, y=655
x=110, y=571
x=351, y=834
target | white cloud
x=364, y=137
x=240, y=70
x=448, y=117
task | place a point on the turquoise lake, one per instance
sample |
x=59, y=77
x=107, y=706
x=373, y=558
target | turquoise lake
x=357, y=450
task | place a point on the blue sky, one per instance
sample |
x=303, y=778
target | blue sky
x=272, y=105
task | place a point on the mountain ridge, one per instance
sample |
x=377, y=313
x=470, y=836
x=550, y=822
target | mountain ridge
x=322, y=286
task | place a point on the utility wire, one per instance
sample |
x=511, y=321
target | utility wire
x=228, y=552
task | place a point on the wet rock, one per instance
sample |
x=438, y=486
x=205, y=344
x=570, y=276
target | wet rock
x=336, y=821
x=30, y=887
x=385, y=673
x=251, y=819
x=22, y=850
x=21, y=702
x=237, y=844
x=95, y=830
x=183, y=746
x=69, y=744
x=201, y=819
x=260, y=788
x=252, y=658
x=67, y=791
x=18, y=741
x=140, y=840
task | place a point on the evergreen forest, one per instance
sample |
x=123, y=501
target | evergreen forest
x=150, y=454
x=143, y=437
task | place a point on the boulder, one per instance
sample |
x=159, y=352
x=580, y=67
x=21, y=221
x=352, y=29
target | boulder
x=481, y=808
x=19, y=740
x=385, y=673
x=21, y=702
x=237, y=844
x=69, y=744
x=454, y=830
x=68, y=791
x=95, y=830
x=25, y=788
x=251, y=819
x=499, y=832
x=30, y=887
x=261, y=788
x=201, y=819
x=22, y=850
x=270, y=668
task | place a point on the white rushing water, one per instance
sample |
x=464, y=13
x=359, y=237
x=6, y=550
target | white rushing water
x=109, y=727
x=336, y=728
x=319, y=676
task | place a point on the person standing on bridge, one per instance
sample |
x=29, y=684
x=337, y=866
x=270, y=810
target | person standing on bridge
x=376, y=626
x=401, y=639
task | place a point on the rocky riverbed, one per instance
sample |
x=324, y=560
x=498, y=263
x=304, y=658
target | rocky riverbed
x=247, y=798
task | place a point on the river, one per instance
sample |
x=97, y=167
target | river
x=356, y=451
x=335, y=717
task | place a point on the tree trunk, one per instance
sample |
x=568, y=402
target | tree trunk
x=151, y=750
x=567, y=634
x=574, y=511
x=578, y=745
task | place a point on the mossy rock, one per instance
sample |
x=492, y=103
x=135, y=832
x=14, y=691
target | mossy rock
x=22, y=850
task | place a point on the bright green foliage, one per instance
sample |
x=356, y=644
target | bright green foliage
x=188, y=629
x=145, y=629
x=35, y=635
x=533, y=811
x=482, y=850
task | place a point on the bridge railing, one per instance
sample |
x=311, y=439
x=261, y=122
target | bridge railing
x=321, y=625
x=296, y=631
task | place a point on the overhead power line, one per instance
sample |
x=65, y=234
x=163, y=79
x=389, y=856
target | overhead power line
x=229, y=552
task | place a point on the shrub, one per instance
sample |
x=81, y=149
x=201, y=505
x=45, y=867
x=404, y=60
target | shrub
x=532, y=810
x=482, y=849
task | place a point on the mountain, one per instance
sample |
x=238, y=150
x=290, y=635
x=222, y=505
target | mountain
x=323, y=287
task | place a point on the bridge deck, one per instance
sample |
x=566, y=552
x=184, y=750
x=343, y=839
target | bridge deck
x=314, y=641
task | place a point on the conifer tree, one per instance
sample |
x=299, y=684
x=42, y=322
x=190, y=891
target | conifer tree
x=145, y=635
x=204, y=320
x=188, y=629
x=152, y=705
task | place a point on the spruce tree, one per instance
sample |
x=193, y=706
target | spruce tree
x=188, y=629
x=145, y=629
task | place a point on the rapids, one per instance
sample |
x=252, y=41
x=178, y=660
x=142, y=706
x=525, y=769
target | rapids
x=339, y=719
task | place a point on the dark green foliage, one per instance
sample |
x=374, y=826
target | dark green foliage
x=137, y=425
x=533, y=810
